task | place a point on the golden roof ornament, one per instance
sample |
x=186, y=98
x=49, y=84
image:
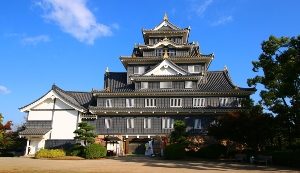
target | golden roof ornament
x=166, y=56
x=166, y=17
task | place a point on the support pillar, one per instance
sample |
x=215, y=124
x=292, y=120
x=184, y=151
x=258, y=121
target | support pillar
x=27, y=145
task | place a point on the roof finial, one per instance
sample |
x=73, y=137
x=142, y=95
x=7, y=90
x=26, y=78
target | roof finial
x=107, y=70
x=166, y=56
x=225, y=68
x=166, y=17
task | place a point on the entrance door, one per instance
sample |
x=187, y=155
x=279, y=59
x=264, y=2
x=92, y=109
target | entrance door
x=33, y=146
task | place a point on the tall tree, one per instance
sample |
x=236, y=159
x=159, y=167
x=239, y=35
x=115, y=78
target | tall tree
x=278, y=69
x=85, y=133
x=179, y=134
x=5, y=134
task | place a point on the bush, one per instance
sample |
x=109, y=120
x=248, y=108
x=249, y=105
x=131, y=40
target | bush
x=95, y=151
x=175, y=152
x=286, y=158
x=76, y=150
x=212, y=151
x=49, y=153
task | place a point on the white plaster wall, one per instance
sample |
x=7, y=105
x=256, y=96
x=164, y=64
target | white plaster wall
x=46, y=104
x=61, y=105
x=40, y=115
x=64, y=124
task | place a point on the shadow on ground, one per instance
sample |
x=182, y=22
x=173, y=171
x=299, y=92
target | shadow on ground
x=198, y=164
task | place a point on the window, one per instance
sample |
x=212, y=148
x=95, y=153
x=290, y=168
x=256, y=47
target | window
x=108, y=103
x=194, y=68
x=175, y=102
x=138, y=70
x=172, y=52
x=167, y=123
x=130, y=123
x=159, y=52
x=108, y=123
x=197, y=124
x=239, y=102
x=223, y=102
x=144, y=85
x=129, y=103
x=147, y=123
x=150, y=102
x=165, y=84
x=188, y=84
x=198, y=102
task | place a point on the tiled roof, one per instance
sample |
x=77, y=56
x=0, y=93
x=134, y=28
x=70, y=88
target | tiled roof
x=83, y=98
x=117, y=81
x=35, y=131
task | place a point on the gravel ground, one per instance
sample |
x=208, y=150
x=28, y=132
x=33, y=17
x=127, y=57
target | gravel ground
x=126, y=165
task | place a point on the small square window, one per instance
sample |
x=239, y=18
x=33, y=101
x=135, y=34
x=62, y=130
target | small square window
x=188, y=84
x=129, y=103
x=165, y=84
x=108, y=123
x=144, y=85
x=130, y=123
x=108, y=103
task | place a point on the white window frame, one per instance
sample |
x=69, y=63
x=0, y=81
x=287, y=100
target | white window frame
x=144, y=85
x=199, y=102
x=147, y=123
x=129, y=103
x=197, y=124
x=165, y=85
x=108, y=123
x=159, y=52
x=188, y=84
x=223, y=102
x=176, y=102
x=167, y=123
x=138, y=69
x=108, y=103
x=130, y=123
x=172, y=52
x=150, y=102
x=191, y=69
x=239, y=102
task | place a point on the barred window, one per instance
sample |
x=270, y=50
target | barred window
x=144, y=85
x=108, y=123
x=147, y=123
x=194, y=68
x=188, y=84
x=165, y=84
x=167, y=123
x=197, y=124
x=139, y=70
x=175, y=102
x=129, y=103
x=198, y=102
x=150, y=102
x=223, y=102
x=130, y=123
x=108, y=103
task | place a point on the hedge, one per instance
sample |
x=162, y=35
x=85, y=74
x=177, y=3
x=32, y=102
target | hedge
x=50, y=153
x=175, y=152
x=94, y=151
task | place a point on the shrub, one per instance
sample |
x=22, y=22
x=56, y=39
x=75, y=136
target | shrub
x=286, y=158
x=76, y=150
x=49, y=153
x=175, y=152
x=213, y=151
x=94, y=151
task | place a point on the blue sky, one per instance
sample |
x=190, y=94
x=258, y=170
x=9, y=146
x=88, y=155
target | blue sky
x=71, y=42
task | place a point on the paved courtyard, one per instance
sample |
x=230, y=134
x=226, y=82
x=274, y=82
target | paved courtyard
x=126, y=165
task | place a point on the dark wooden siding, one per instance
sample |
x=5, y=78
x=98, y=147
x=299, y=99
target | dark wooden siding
x=139, y=102
x=119, y=124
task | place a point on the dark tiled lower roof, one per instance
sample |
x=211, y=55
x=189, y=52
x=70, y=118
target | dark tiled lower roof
x=83, y=98
x=35, y=131
x=38, y=124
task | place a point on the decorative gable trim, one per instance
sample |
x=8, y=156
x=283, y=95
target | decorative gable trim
x=166, y=67
x=51, y=94
x=165, y=42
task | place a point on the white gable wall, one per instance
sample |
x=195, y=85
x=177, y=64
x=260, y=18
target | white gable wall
x=64, y=124
x=39, y=115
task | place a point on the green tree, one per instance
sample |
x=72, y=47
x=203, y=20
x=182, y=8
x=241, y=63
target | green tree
x=85, y=133
x=278, y=69
x=251, y=128
x=5, y=133
x=179, y=134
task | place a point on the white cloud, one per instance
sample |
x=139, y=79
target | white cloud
x=34, y=40
x=201, y=8
x=222, y=20
x=74, y=18
x=4, y=90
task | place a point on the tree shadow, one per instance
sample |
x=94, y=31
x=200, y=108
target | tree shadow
x=198, y=164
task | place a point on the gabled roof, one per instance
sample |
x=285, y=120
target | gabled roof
x=77, y=100
x=166, y=24
x=166, y=67
x=166, y=42
x=219, y=81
